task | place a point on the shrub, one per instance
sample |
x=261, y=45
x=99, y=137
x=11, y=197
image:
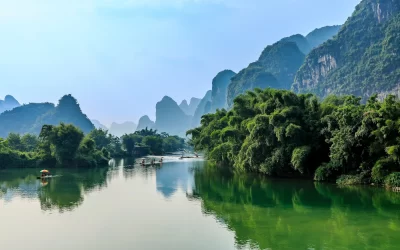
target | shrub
x=380, y=170
x=393, y=180
x=349, y=180
x=326, y=172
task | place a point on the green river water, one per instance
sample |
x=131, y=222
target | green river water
x=187, y=205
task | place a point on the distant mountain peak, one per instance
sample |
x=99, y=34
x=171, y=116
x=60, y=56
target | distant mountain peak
x=31, y=117
x=98, y=124
x=10, y=98
x=168, y=99
x=9, y=103
x=190, y=108
x=184, y=103
x=145, y=122
x=171, y=118
x=119, y=129
x=68, y=102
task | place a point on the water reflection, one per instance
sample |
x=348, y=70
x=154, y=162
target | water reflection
x=287, y=214
x=21, y=183
x=262, y=213
x=176, y=175
x=63, y=193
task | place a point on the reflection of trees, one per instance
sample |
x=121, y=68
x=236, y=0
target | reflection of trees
x=12, y=184
x=62, y=193
x=288, y=214
x=66, y=192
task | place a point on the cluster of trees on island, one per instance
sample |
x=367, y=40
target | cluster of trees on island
x=66, y=145
x=280, y=133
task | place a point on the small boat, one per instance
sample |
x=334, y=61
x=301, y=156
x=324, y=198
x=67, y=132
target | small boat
x=152, y=163
x=44, y=174
x=188, y=157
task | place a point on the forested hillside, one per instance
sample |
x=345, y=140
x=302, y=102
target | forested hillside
x=8, y=103
x=363, y=59
x=31, y=117
x=278, y=63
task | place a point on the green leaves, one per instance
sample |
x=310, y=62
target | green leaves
x=276, y=132
x=300, y=157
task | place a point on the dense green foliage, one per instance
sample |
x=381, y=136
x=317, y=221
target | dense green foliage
x=66, y=146
x=279, y=133
x=62, y=145
x=362, y=59
x=29, y=119
x=155, y=143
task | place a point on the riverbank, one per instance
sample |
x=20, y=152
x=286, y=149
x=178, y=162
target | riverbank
x=280, y=133
x=67, y=146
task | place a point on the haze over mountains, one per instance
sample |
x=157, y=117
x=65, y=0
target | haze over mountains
x=361, y=57
x=119, y=129
x=8, y=103
x=190, y=108
x=30, y=118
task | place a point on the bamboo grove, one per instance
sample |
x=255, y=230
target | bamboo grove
x=280, y=133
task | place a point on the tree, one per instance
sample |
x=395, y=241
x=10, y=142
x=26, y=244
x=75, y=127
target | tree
x=64, y=140
x=100, y=137
x=128, y=143
x=14, y=142
x=30, y=142
x=155, y=143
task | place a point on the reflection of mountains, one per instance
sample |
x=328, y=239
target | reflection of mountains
x=63, y=193
x=174, y=175
x=284, y=214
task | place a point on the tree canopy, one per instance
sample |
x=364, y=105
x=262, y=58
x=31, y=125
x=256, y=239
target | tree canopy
x=280, y=133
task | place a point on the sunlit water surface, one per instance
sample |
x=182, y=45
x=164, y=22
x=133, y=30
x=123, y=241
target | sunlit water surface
x=188, y=205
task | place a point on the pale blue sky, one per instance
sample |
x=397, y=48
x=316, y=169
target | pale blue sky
x=119, y=57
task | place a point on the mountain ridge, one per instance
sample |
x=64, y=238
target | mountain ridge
x=361, y=60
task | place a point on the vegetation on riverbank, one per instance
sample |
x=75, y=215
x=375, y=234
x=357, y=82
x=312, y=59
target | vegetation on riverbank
x=62, y=145
x=151, y=142
x=279, y=133
x=65, y=145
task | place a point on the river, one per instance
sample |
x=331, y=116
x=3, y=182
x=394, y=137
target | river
x=188, y=205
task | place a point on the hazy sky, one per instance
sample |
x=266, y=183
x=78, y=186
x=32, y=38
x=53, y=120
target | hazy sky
x=119, y=57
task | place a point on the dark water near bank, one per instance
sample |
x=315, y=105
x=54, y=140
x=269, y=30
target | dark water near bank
x=186, y=205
